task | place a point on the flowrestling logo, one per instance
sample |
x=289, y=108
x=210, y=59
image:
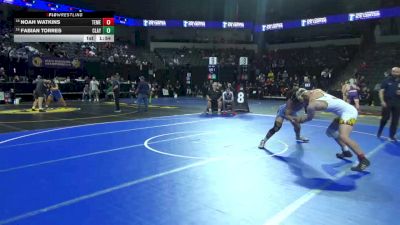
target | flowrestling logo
x=154, y=23
x=189, y=23
x=273, y=26
x=122, y=20
x=232, y=25
x=364, y=15
x=314, y=21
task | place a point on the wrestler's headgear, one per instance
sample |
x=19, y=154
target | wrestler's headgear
x=299, y=94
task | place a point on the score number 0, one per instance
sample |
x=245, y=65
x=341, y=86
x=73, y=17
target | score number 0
x=108, y=30
x=108, y=21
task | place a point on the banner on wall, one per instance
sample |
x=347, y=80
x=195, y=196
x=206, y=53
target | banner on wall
x=52, y=62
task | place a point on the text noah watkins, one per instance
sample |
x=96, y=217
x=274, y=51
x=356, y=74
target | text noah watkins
x=28, y=30
x=39, y=22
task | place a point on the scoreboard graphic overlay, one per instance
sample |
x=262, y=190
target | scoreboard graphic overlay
x=64, y=27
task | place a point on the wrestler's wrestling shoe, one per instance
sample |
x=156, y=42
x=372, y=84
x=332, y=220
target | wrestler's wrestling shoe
x=344, y=154
x=362, y=165
x=302, y=140
x=262, y=144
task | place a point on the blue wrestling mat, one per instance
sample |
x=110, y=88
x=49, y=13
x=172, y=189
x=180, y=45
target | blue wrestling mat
x=194, y=169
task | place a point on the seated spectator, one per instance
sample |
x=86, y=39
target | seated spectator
x=307, y=84
x=16, y=79
x=285, y=75
x=271, y=75
x=12, y=95
x=188, y=90
x=227, y=99
x=67, y=80
x=3, y=76
x=366, y=96
x=214, y=98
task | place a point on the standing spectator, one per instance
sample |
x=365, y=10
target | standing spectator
x=132, y=93
x=177, y=89
x=116, y=91
x=86, y=93
x=390, y=101
x=143, y=91
x=94, y=90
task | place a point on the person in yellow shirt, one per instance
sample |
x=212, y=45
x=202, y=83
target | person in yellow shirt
x=271, y=75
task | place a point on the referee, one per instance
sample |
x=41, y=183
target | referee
x=39, y=93
x=389, y=96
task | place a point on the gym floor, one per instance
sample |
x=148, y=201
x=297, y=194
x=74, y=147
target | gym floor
x=86, y=164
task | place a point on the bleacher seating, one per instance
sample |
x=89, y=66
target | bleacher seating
x=377, y=60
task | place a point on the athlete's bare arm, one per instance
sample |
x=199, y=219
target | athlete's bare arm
x=289, y=109
x=290, y=106
x=313, y=107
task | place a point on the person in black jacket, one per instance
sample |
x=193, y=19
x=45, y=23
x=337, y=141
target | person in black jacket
x=116, y=90
x=389, y=96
